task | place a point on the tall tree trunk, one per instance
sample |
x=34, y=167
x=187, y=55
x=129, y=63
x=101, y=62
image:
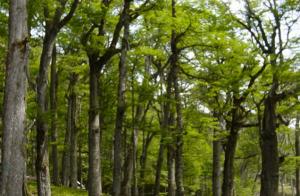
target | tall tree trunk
x=171, y=171
x=269, y=149
x=121, y=107
x=94, y=175
x=228, y=173
x=73, y=134
x=143, y=161
x=159, y=163
x=217, y=172
x=297, y=148
x=67, y=143
x=53, y=107
x=14, y=140
x=42, y=161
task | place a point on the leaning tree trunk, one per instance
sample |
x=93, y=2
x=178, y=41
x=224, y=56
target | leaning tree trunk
x=269, y=149
x=94, y=175
x=42, y=161
x=53, y=107
x=297, y=148
x=14, y=140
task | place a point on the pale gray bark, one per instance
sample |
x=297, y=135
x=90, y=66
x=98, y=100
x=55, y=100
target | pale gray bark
x=14, y=140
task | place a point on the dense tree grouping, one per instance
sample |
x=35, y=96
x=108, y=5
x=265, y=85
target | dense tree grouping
x=146, y=97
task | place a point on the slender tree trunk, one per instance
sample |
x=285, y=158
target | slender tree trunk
x=121, y=107
x=171, y=171
x=94, y=175
x=67, y=143
x=159, y=163
x=143, y=161
x=217, y=172
x=53, y=107
x=13, y=180
x=269, y=149
x=73, y=134
x=42, y=162
x=297, y=148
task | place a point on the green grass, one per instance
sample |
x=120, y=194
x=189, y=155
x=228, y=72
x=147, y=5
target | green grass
x=57, y=190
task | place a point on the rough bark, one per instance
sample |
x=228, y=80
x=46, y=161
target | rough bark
x=297, y=149
x=53, y=107
x=94, y=175
x=14, y=140
x=121, y=107
x=269, y=149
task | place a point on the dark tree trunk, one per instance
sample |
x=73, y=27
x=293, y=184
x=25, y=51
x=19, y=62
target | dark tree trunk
x=94, y=175
x=53, y=107
x=269, y=149
x=42, y=162
x=297, y=148
x=13, y=173
x=217, y=171
x=73, y=131
x=121, y=107
x=143, y=161
x=228, y=173
x=67, y=143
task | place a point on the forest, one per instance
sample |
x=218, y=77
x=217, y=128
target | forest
x=150, y=97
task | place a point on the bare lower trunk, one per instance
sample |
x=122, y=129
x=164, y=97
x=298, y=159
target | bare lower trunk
x=67, y=143
x=14, y=140
x=121, y=107
x=171, y=171
x=228, y=173
x=143, y=162
x=297, y=149
x=94, y=175
x=42, y=162
x=159, y=163
x=53, y=107
x=269, y=150
x=217, y=172
x=73, y=134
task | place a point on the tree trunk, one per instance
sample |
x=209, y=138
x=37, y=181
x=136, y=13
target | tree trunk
x=53, y=107
x=297, y=149
x=217, y=171
x=171, y=171
x=14, y=140
x=73, y=132
x=121, y=107
x=143, y=162
x=159, y=163
x=42, y=162
x=269, y=149
x=94, y=175
x=228, y=173
x=67, y=143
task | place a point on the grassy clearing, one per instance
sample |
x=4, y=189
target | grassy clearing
x=57, y=190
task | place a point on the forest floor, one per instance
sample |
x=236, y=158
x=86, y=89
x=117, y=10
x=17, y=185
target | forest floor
x=57, y=190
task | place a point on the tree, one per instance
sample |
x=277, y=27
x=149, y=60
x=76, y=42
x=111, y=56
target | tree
x=13, y=168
